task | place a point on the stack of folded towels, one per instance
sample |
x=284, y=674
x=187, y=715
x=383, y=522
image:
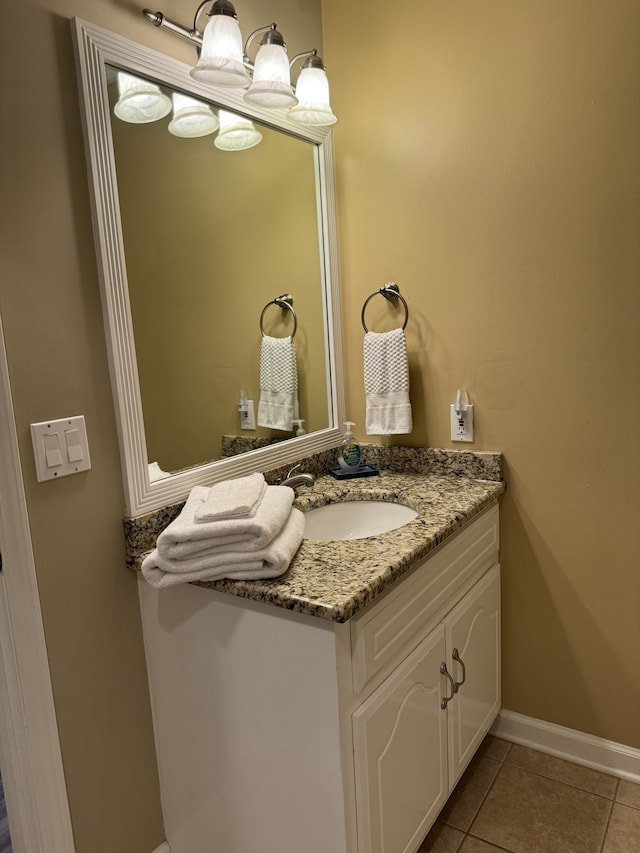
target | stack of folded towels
x=241, y=529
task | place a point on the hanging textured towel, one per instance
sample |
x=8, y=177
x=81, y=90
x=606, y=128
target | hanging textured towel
x=278, y=406
x=386, y=383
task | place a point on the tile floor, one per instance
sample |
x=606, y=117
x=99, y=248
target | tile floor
x=514, y=799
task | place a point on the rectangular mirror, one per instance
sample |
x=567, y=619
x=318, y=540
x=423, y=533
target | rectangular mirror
x=194, y=243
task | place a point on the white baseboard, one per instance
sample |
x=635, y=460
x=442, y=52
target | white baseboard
x=164, y=848
x=587, y=750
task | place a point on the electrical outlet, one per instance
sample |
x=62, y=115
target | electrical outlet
x=248, y=418
x=462, y=426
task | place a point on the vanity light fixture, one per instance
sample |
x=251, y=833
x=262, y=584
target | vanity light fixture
x=312, y=92
x=191, y=117
x=140, y=101
x=271, y=85
x=224, y=62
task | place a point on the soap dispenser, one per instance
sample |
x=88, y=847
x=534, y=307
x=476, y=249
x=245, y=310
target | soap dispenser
x=350, y=455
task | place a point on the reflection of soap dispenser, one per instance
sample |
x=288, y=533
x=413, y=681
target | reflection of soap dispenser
x=301, y=430
x=350, y=455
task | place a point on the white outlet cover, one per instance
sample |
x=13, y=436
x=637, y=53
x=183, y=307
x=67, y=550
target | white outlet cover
x=249, y=421
x=467, y=435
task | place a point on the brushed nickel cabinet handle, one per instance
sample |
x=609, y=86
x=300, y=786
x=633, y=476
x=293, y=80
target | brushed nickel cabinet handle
x=446, y=699
x=455, y=654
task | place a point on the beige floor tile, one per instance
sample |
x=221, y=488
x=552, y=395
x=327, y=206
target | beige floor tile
x=475, y=845
x=563, y=771
x=463, y=804
x=442, y=839
x=623, y=835
x=629, y=794
x=528, y=813
x=494, y=747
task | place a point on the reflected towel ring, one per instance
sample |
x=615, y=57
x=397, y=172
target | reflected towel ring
x=285, y=302
x=389, y=291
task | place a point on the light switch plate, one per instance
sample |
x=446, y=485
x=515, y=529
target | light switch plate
x=60, y=447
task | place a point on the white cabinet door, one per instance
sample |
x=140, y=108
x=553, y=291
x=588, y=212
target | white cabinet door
x=400, y=745
x=473, y=630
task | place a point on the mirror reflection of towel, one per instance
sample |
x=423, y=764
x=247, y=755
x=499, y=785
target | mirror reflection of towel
x=278, y=406
x=386, y=383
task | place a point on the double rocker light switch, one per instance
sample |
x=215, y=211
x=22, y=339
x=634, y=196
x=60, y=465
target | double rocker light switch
x=60, y=447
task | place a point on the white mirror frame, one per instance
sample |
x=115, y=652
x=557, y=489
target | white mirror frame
x=95, y=48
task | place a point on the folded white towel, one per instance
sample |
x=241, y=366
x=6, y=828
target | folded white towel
x=232, y=499
x=268, y=562
x=185, y=537
x=386, y=383
x=278, y=406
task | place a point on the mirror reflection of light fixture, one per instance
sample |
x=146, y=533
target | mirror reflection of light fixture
x=191, y=118
x=236, y=132
x=225, y=62
x=140, y=101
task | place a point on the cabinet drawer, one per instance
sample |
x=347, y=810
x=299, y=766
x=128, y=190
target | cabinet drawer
x=391, y=629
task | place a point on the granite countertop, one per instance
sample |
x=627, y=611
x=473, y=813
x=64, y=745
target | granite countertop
x=334, y=580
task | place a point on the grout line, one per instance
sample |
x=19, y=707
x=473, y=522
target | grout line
x=493, y=781
x=606, y=829
x=568, y=784
x=478, y=838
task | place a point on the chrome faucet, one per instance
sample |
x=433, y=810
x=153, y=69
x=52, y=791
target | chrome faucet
x=298, y=479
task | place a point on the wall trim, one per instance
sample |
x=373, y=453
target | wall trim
x=32, y=770
x=578, y=747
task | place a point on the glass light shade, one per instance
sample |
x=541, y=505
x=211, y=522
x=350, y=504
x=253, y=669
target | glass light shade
x=271, y=86
x=312, y=91
x=139, y=100
x=191, y=117
x=236, y=133
x=221, y=57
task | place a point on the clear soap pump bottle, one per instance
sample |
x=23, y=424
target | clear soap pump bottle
x=350, y=455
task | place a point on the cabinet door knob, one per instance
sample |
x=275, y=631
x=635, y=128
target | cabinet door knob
x=446, y=699
x=455, y=654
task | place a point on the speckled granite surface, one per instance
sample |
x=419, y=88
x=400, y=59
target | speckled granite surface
x=334, y=580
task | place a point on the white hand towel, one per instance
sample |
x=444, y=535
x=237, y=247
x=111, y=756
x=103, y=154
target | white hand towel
x=232, y=499
x=278, y=406
x=185, y=537
x=386, y=383
x=268, y=562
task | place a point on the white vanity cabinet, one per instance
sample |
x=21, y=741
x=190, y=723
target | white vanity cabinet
x=415, y=734
x=279, y=732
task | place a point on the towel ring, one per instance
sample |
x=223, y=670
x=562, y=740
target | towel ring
x=389, y=291
x=286, y=303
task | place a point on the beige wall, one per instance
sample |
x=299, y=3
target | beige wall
x=488, y=160
x=52, y=318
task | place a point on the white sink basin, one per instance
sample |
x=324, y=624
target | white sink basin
x=355, y=519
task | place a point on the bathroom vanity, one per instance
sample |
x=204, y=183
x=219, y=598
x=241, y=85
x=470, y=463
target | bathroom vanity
x=330, y=710
x=334, y=708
